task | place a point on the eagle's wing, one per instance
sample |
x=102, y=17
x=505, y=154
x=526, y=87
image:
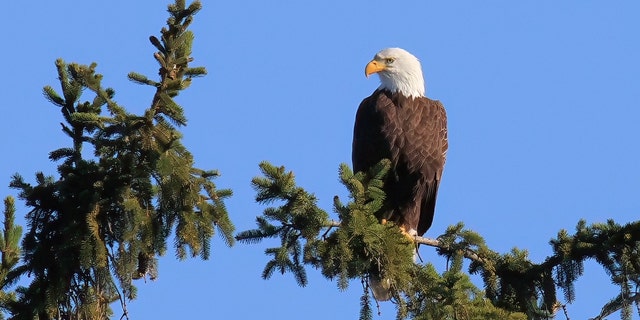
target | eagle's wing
x=412, y=134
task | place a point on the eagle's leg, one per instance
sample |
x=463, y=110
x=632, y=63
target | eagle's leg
x=411, y=235
x=408, y=234
x=404, y=231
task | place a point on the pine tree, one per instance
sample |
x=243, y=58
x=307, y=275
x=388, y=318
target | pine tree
x=10, y=250
x=357, y=246
x=102, y=223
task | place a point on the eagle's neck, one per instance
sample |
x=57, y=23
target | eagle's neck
x=409, y=84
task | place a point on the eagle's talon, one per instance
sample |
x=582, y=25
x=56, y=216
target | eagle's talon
x=407, y=234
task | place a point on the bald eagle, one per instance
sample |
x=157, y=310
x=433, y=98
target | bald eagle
x=399, y=123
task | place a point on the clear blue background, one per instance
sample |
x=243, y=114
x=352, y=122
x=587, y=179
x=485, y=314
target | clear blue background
x=542, y=100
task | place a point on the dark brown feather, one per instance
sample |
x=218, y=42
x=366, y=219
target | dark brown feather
x=412, y=133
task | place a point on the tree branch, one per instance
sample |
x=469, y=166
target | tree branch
x=616, y=305
x=468, y=253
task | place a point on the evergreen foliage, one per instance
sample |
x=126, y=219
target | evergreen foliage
x=107, y=217
x=358, y=246
x=10, y=250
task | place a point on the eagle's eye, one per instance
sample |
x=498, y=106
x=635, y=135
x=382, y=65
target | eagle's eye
x=389, y=60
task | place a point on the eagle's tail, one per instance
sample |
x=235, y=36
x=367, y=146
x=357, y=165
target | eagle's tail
x=381, y=288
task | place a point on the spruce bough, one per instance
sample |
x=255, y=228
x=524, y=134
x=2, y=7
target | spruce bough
x=102, y=223
x=514, y=286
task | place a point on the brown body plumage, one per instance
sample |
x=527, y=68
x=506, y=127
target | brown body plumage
x=397, y=122
x=412, y=133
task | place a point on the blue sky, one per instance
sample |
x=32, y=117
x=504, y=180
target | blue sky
x=542, y=101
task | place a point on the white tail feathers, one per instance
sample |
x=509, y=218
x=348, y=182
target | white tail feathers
x=381, y=288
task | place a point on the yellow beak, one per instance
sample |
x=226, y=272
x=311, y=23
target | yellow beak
x=374, y=67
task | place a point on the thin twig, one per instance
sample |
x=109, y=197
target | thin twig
x=566, y=313
x=121, y=297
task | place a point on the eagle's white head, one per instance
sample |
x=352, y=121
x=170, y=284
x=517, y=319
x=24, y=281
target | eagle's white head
x=399, y=71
